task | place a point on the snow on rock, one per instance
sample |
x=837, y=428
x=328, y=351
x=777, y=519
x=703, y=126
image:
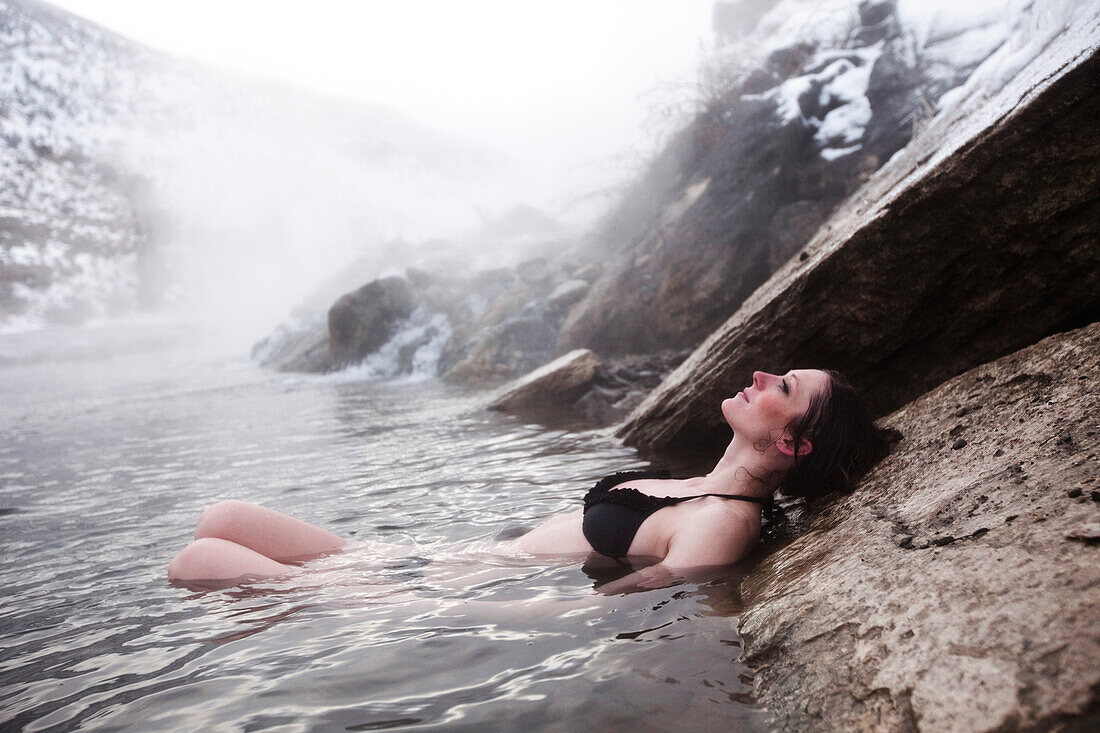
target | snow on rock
x=841, y=89
x=941, y=43
x=846, y=94
x=1023, y=37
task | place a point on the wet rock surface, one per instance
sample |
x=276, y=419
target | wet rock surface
x=361, y=321
x=954, y=589
x=978, y=239
x=560, y=382
x=579, y=390
x=504, y=349
x=623, y=382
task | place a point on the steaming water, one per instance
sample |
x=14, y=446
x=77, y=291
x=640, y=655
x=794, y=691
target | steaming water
x=105, y=462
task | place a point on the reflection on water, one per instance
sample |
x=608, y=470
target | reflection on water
x=105, y=464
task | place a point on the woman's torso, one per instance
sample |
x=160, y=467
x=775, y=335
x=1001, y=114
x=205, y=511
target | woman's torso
x=564, y=534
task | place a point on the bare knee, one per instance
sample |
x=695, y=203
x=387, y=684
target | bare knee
x=191, y=560
x=221, y=519
x=211, y=558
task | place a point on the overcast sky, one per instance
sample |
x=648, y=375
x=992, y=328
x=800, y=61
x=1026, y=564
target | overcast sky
x=558, y=83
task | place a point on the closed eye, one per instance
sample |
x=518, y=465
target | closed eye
x=786, y=389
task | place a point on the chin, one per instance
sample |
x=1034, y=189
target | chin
x=729, y=408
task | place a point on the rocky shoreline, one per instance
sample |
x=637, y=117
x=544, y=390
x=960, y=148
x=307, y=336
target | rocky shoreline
x=959, y=288
x=958, y=587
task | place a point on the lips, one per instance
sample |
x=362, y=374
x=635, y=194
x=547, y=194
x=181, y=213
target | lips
x=743, y=396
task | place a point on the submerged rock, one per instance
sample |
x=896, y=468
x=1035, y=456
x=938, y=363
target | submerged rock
x=978, y=239
x=954, y=589
x=551, y=386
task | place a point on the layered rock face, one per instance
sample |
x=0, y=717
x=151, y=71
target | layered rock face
x=958, y=588
x=978, y=239
x=749, y=182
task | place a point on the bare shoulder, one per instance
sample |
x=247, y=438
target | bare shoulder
x=728, y=517
x=714, y=533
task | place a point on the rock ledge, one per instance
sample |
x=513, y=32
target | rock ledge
x=956, y=589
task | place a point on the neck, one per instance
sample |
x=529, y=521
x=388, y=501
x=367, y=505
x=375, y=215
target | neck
x=744, y=469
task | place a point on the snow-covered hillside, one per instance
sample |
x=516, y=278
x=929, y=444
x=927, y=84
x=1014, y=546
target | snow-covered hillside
x=132, y=180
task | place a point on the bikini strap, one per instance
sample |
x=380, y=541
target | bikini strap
x=740, y=497
x=604, y=489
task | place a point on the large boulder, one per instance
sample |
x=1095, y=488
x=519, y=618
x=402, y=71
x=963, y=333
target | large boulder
x=551, y=386
x=361, y=321
x=978, y=239
x=958, y=588
x=506, y=349
x=746, y=185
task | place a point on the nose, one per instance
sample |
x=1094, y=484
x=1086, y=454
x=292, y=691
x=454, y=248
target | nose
x=761, y=380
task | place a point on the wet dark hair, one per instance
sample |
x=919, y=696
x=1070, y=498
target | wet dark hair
x=845, y=442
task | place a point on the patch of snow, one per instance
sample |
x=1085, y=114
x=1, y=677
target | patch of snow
x=832, y=154
x=848, y=86
x=843, y=87
x=1027, y=34
x=785, y=96
x=934, y=21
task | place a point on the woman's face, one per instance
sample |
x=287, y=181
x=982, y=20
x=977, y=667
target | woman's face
x=764, y=410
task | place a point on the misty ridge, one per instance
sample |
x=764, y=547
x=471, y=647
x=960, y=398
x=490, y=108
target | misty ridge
x=137, y=182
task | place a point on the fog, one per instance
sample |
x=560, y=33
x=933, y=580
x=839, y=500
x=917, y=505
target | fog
x=551, y=84
x=287, y=141
x=284, y=154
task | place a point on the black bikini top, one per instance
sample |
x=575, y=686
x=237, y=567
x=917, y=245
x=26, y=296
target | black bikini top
x=605, y=492
x=612, y=516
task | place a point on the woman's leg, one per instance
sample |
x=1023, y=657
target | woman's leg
x=265, y=531
x=209, y=558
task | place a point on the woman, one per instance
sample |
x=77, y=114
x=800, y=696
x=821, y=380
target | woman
x=804, y=432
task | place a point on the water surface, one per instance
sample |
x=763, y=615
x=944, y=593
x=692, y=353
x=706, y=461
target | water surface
x=105, y=463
